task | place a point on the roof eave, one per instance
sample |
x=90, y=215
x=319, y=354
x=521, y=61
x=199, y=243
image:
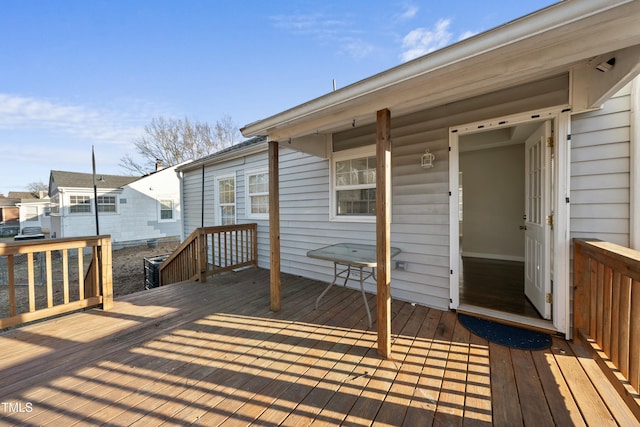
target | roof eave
x=567, y=21
x=221, y=158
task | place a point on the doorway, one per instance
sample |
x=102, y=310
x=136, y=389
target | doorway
x=504, y=262
x=496, y=191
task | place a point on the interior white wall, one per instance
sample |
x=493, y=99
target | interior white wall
x=493, y=202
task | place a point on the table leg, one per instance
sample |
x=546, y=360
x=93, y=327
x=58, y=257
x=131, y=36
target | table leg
x=364, y=296
x=335, y=277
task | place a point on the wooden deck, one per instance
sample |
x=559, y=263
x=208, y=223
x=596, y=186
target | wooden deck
x=214, y=354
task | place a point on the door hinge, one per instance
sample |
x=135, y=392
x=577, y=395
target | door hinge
x=549, y=298
x=550, y=142
x=550, y=220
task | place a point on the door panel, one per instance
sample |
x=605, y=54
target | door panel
x=537, y=281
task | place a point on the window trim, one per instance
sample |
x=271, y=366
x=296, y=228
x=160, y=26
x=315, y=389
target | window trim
x=338, y=156
x=248, y=194
x=114, y=204
x=72, y=205
x=218, y=215
x=173, y=209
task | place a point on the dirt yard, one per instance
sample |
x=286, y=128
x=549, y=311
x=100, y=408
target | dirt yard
x=128, y=266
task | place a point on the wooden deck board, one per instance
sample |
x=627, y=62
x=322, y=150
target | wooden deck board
x=214, y=354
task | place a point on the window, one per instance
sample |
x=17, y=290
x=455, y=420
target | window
x=166, y=210
x=55, y=204
x=79, y=204
x=226, y=202
x=31, y=213
x=107, y=204
x=257, y=194
x=354, y=185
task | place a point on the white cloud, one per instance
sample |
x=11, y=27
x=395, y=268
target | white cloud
x=314, y=24
x=341, y=33
x=357, y=48
x=20, y=113
x=408, y=13
x=421, y=41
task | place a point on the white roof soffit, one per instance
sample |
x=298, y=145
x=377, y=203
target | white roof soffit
x=545, y=43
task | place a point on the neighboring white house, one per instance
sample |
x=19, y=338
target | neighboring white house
x=131, y=210
x=535, y=120
x=35, y=211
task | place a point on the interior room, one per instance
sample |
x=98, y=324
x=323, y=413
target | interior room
x=492, y=208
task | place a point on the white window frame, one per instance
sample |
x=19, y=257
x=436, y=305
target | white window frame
x=219, y=206
x=114, y=204
x=85, y=198
x=248, y=194
x=173, y=209
x=356, y=153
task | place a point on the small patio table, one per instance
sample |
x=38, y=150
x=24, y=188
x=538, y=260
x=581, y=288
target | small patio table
x=350, y=258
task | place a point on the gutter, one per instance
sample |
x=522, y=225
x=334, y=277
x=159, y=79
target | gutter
x=223, y=157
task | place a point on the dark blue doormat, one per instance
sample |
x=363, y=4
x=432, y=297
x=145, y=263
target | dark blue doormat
x=507, y=335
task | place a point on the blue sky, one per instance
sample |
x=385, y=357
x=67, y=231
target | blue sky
x=77, y=74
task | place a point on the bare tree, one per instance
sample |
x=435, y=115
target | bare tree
x=37, y=187
x=175, y=141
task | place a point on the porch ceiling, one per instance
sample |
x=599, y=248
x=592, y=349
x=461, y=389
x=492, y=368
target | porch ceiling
x=549, y=42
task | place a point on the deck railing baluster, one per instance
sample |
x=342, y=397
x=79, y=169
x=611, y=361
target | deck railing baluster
x=606, y=310
x=211, y=250
x=37, y=300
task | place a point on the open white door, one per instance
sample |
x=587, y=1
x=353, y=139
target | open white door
x=537, y=280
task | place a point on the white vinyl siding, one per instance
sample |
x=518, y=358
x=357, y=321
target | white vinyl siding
x=600, y=171
x=420, y=197
x=199, y=211
x=31, y=213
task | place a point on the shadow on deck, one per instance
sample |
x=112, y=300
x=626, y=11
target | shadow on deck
x=214, y=354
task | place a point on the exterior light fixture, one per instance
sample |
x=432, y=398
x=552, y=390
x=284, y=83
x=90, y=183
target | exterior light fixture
x=427, y=159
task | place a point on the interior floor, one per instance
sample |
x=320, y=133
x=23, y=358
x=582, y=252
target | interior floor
x=495, y=284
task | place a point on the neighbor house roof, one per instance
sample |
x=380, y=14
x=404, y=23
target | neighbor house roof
x=243, y=148
x=547, y=43
x=8, y=202
x=22, y=195
x=85, y=180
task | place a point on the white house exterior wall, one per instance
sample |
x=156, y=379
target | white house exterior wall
x=140, y=215
x=192, y=198
x=601, y=171
x=138, y=211
x=84, y=224
x=43, y=220
x=420, y=197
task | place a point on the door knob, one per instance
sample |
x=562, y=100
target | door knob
x=523, y=227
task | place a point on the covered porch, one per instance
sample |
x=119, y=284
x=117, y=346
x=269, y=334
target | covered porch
x=214, y=353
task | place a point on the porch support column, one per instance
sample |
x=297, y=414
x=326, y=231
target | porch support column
x=383, y=230
x=274, y=225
